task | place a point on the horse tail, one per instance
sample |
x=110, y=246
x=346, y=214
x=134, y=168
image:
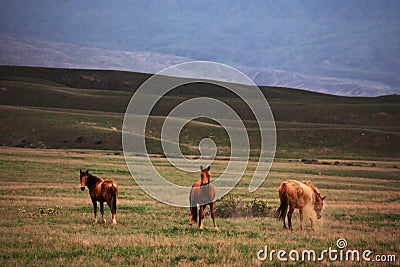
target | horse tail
x=114, y=196
x=282, y=210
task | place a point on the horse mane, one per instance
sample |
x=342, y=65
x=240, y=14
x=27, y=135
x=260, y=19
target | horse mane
x=313, y=188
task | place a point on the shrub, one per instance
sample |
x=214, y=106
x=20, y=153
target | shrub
x=259, y=208
x=230, y=207
x=227, y=207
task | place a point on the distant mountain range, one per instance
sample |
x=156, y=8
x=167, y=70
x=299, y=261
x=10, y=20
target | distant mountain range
x=338, y=47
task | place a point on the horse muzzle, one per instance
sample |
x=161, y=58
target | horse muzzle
x=82, y=188
x=319, y=216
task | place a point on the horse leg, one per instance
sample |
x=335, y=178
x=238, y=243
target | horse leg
x=113, y=219
x=113, y=203
x=113, y=208
x=113, y=212
x=289, y=216
x=301, y=219
x=193, y=215
x=284, y=222
x=102, y=212
x=312, y=224
x=212, y=215
x=201, y=216
x=94, y=210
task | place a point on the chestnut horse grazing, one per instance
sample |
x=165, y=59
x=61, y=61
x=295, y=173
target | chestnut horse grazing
x=101, y=191
x=299, y=195
x=202, y=193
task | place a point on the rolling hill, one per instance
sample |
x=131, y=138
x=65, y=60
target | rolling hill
x=340, y=47
x=72, y=108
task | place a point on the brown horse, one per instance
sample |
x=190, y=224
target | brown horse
x=301, y=195
x=101, y=191
x=202, y=193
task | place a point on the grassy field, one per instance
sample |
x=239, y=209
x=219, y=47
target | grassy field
x=46, y=219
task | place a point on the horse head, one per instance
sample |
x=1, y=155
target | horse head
x=205, y=175
x=83, y=176
x=318, y=204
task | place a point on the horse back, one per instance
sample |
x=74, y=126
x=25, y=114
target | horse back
x=109, y=189
x=110, y=183
x=298, y=194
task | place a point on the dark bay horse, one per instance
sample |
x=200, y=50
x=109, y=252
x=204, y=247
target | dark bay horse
x=299, y=195
x=101, y=191
x=202, y=193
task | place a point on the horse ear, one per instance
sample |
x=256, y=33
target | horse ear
x=323, y=197
x=87, y=171
x=80, y=171
x=208, y=168
x=201, y=167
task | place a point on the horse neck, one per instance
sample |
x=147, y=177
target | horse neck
x=92, y=180
x=316, y=196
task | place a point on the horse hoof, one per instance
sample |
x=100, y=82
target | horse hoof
x=216, y=228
